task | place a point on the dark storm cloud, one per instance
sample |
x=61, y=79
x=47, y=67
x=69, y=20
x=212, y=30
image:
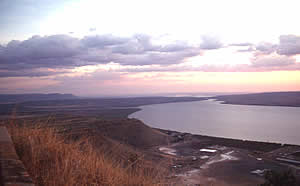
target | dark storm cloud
x=289, y=45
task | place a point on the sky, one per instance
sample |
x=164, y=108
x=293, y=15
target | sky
x=139, y=47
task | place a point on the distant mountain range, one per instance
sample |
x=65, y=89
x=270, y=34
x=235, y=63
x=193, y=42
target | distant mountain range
x=266, y=98
x=15, y=98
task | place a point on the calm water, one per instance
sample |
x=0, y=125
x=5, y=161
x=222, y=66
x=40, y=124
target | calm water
x=260, y=123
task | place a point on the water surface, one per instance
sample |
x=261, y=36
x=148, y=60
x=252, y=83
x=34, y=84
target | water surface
x=259, y=123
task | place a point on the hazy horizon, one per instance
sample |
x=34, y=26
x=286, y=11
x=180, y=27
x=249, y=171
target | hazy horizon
x=170, y=94
x=113, y=48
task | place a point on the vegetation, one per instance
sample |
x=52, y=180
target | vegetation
x=53, y=160
x=286, y=178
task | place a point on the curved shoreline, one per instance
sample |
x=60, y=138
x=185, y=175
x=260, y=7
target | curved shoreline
x=182, y=115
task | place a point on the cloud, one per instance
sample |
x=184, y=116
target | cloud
x=29, y=72
x=92, y=29
x=43, y=47
x=148, y=58
x=2, y=48
x=139, y=44
x=55, y=51
x=63, y=51
x=249, y=49
x=210, y=43
x=273, y=61
x=139, y=50
x=40, y=56
x=265, y=48
x=241, y=44
x=289, y=45
x=98, y=80
x=102, y=41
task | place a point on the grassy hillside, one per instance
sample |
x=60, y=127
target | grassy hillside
x=132, y=132
x=53, y=158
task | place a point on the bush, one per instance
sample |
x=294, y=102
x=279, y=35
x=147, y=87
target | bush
x=285, y=178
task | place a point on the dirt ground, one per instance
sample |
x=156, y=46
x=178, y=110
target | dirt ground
x=198, y=160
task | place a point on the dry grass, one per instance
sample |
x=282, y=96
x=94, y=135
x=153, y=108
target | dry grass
x=52, y=160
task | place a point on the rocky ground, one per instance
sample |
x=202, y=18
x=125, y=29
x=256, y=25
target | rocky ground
x=210, y=161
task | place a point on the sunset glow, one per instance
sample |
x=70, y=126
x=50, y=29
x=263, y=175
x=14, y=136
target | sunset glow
x=148, y=47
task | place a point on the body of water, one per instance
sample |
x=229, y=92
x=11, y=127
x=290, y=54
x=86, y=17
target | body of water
x=259, y=123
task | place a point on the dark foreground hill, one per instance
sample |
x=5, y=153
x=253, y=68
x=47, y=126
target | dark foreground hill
x=60, y=157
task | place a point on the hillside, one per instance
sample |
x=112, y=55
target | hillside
x=106, y=107
x=291, y=99
x=136, y=153
x=17, y=98
x=55, y=158
x=132, y=132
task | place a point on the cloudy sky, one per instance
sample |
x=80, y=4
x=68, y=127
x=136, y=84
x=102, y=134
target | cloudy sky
x=149, y=47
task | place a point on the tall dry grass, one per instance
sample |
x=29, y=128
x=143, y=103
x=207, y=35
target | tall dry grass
x=52, y=160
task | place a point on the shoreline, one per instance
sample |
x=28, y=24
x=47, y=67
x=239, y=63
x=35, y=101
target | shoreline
x=256, y=104
x=219, y=137
x=226, y=140
x=207, y=160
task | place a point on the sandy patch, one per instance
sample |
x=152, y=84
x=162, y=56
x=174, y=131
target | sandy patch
x=167, y=150
x=219, y=158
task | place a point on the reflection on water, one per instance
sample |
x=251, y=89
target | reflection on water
x=261, y=123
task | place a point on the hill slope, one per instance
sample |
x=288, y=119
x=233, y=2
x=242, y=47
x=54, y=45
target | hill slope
x=16, y=98
x=268, y=99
